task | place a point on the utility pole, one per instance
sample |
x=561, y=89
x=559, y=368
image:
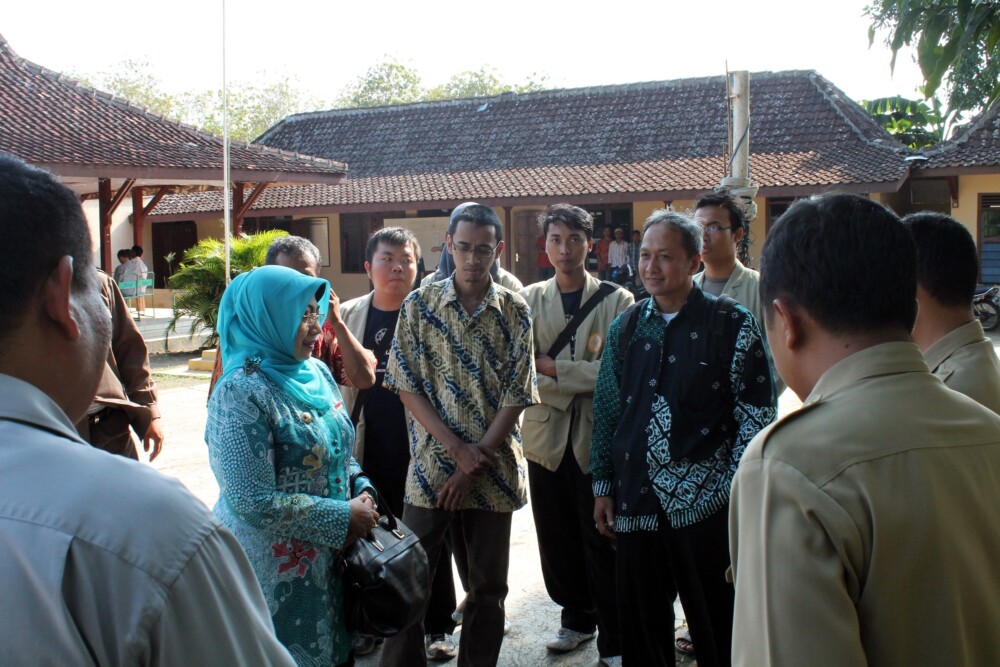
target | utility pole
x=736, y=182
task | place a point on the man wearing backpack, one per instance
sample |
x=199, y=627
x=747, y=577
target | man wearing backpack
x=571, y=314
x=684, y=385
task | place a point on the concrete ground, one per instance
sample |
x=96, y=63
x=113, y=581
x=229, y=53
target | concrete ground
x=534, y=618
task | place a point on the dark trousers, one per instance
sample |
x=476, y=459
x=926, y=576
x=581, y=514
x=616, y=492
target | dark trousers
x=482, y=540
x=109, y=430
x=653, y=567
x=437, y=618
x=578, y=564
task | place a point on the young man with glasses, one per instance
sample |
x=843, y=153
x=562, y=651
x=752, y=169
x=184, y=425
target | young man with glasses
x=725, y=228
x=462, y=363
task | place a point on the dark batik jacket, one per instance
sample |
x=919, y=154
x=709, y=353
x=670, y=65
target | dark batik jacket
x=672, y=419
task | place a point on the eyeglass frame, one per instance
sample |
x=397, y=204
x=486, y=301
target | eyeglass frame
x=708, y=229
x=479, y=251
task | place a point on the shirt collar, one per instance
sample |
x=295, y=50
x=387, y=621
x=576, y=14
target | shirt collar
x=695, y=299
x=491, y=300
x=947, y=345
x=25, y=402
x=883, y=359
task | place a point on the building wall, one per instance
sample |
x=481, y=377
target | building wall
x=969, y=189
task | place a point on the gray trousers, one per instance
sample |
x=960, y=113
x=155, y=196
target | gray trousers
x=483, y=540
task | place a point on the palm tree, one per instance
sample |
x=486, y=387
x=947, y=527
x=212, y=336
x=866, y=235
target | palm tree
x=201, y=277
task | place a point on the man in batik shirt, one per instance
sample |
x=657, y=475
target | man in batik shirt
x=463, y=365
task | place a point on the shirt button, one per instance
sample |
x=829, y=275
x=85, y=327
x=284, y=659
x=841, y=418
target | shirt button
x=307, y=418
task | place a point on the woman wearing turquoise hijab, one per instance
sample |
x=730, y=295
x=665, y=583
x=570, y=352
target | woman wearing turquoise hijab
x=280, y=445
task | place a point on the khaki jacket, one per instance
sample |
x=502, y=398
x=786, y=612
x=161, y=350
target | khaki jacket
x=355, y=316
x=743, y=287
x=966, y=362
x=565, y=413
x=864, y=527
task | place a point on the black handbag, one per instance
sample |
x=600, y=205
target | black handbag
x=386, y=579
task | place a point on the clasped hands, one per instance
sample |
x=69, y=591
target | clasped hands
x=473, y=460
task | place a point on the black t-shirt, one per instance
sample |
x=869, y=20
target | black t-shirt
x=571, y=305
x=387, y=449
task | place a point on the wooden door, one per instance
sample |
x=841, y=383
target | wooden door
x=171, y=237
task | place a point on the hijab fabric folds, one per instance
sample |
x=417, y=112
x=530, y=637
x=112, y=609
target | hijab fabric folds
x=259, y=317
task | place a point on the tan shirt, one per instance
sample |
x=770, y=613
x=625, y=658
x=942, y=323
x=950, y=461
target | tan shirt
x=355, y=316
x=566, y=411
x=743, y=287
x=966, y=362
x=864, y=527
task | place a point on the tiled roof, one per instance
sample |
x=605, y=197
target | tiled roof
x=661, y=137
x=975, y=145
x=50, y=120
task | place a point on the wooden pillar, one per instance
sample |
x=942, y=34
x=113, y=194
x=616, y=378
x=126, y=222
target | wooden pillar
x=508, y=233
x=138, y=216
x=237, y=209
x=104, y=222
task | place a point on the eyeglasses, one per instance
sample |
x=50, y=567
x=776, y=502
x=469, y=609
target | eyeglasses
x=464, y=249
x=715, y=228
x=310, y=318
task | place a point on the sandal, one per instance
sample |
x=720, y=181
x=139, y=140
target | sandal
x=683, y=644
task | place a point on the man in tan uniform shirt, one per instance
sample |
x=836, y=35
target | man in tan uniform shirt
x=577, y=561
x=951, y=338
x=864, y=526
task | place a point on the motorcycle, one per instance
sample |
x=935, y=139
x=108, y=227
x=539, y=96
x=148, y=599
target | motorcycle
x=986, y=307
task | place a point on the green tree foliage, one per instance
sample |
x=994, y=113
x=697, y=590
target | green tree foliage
x=391, y=82
x=912, y=122
x=253, y=106
x=387, y=82
x=957, y=43
x=201, y=277
x=133, y=80
x=484, y=82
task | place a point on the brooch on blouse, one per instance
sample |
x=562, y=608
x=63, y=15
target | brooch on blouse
x=252, y=364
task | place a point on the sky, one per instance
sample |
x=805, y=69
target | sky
x=327, y=45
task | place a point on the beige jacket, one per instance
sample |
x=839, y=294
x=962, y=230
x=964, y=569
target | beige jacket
x=743, y=287
x=966, y=362
x=565, y=413
x=864, y=527
x=355, y=316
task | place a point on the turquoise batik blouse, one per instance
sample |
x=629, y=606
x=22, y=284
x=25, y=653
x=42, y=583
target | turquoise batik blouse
x=284, y=473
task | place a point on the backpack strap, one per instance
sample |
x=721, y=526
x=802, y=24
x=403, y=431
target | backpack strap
x=625, y=333
x=722, y=310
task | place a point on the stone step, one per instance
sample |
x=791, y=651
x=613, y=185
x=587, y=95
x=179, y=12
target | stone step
x=201, y=364
x=209, y=354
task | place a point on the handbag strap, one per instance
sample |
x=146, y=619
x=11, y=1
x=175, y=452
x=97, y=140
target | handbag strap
x=383, y=507
x=562, y=340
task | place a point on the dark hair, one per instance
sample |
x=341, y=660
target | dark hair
x=692, y=235
x=137, y=250
x=573, y=217
x=736, y=218
x=477, y=214
x=124, y=252
x=41, y=222
x=295, y=247
x=947, y=260
x=845, y=259
x=396, y=237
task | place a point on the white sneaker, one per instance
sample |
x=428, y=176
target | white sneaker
x=567, y=640
x=611, y=661
x=440, y=647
